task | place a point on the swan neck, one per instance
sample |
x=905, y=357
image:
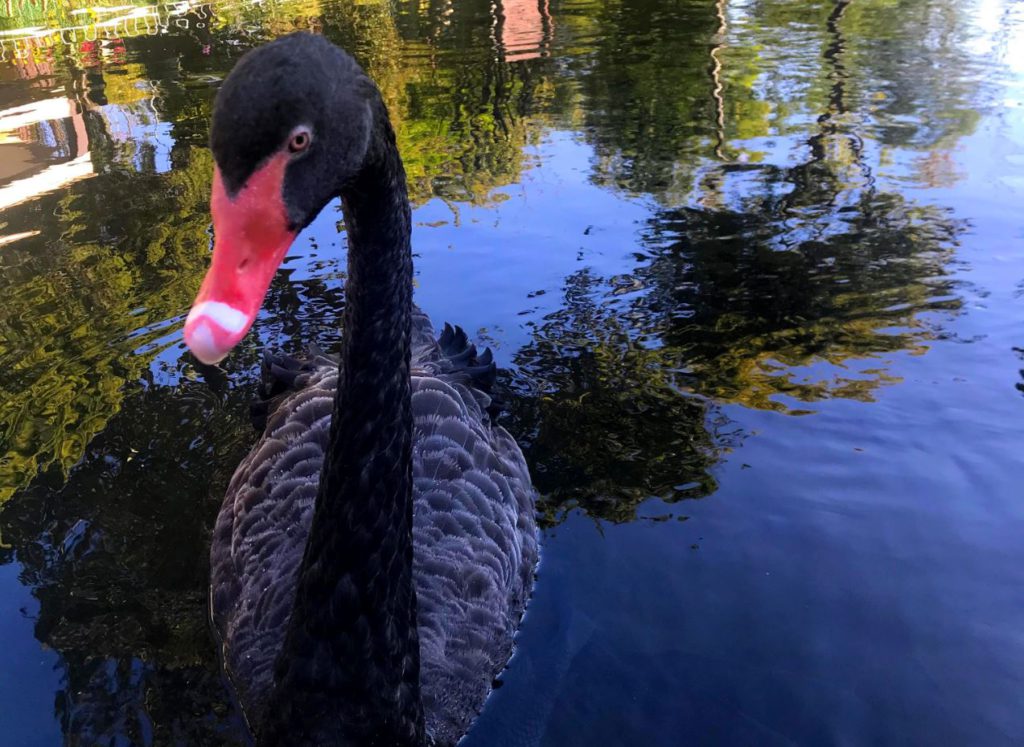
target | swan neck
x=350, y=662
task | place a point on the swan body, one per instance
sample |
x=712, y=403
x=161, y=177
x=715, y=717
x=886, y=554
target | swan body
x=375, y=551
x=473, y=527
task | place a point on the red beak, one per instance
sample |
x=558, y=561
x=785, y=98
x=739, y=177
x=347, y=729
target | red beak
x=251, y=238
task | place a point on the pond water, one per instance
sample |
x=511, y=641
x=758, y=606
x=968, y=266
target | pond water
x=754, y=274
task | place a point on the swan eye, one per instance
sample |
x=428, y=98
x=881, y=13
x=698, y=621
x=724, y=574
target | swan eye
x=299, y=141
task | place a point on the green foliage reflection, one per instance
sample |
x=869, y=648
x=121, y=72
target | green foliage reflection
x=784, y=262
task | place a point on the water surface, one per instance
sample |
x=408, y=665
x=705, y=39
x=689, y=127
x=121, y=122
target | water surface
x=754, y=274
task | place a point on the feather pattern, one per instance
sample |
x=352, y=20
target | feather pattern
x=474, y=528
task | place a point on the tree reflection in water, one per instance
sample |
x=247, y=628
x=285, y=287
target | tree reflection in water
x=780, y=265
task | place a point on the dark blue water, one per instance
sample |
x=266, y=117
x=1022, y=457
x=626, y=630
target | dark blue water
x=754, y=273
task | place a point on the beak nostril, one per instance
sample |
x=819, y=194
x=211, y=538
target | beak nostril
x=243, y=264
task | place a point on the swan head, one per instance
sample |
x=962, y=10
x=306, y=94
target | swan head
x=291, y=127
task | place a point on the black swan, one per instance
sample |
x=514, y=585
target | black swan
x=375, y=551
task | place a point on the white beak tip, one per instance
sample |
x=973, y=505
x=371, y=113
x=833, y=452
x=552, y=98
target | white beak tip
x=201, y=341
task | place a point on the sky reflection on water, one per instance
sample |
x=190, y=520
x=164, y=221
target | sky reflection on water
x=766, y=255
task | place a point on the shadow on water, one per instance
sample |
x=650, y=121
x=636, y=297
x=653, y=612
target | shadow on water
x=781, y=264
x=1020, y=384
